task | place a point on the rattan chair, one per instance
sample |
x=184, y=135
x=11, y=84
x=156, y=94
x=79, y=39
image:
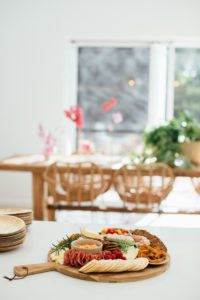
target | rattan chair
x=73, y=186
x=144, y=186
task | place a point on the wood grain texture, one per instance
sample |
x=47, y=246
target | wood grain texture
x=108, y=169
x=38, y=195
x=10, y=225
x=5, y=249
x=26, y=270
x=150, y=271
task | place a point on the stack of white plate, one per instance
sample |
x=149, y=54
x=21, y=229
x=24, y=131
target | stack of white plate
x=12, y=232
x=25, y=214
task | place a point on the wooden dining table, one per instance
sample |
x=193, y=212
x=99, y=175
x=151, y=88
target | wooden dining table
x=36, y=164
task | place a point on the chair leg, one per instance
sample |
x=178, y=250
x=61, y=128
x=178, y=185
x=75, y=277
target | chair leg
x=51, y=214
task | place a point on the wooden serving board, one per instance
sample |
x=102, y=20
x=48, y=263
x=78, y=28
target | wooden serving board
x=149, y=272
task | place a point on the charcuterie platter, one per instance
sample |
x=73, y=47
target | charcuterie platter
x=112, y=255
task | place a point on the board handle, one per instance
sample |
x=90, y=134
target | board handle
x=26, y=270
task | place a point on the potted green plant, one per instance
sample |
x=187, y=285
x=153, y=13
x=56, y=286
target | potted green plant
x=191, y=144
x=176, y=143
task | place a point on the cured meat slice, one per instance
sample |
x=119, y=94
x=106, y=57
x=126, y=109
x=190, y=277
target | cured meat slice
x=76, y=258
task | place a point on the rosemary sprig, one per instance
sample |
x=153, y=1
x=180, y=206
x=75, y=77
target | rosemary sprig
x=64, y=243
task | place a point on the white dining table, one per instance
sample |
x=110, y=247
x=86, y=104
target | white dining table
x=180, y=281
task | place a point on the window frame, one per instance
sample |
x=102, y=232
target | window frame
x=171, y=72
x=161, y=77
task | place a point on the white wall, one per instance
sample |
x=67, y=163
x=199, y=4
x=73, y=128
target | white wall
x=32, y=62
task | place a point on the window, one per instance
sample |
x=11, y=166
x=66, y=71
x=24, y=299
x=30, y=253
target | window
x=113, y=92
x=124, y=88
x=187, y=81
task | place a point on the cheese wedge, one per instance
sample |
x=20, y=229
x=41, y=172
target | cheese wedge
x=91, y=235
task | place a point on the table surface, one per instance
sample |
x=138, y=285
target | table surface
x=37, y=163
x=32, y=162
x=180, y=281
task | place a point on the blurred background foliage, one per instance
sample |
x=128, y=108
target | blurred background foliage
x=164, y=143
x=187, y=81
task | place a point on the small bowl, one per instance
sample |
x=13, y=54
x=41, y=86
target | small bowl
x=79, y=245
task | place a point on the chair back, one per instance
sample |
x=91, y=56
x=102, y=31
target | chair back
x=77, y=182
x=144, y=184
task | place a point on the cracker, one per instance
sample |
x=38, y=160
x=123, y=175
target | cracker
x=116, y=263
x=86, y=268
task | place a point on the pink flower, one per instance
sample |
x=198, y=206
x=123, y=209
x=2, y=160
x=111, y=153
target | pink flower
x=117, y=117
x=49, y=142
x=86, y=146
x=49, y=145
x=41, y=131
x=75, y=114
x=47, y=151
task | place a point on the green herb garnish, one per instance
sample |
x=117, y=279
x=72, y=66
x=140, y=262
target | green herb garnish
x=125, y=245
x=64, y=243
